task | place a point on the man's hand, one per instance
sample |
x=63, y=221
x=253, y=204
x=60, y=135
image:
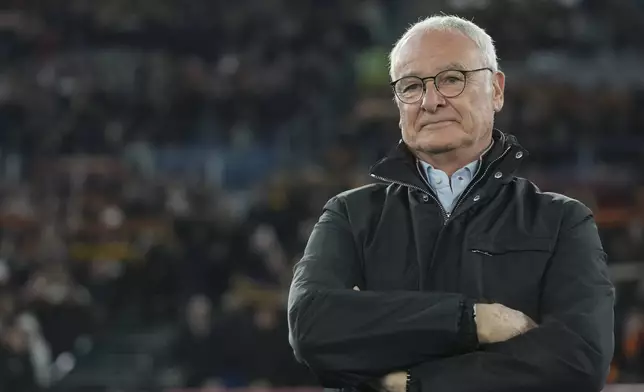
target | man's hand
x=394, y=382
x=498, y=323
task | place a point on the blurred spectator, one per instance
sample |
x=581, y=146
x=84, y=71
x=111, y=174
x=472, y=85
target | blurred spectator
x=16, y=367
x=61, y=305
x=25, y=354
x=244, y=346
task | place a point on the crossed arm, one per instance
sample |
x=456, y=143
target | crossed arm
x=354, y=339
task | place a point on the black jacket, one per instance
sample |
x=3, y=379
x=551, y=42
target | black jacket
x=420, y=270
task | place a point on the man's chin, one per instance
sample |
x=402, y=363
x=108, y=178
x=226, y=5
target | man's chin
x=437, y=149
x=434, y=145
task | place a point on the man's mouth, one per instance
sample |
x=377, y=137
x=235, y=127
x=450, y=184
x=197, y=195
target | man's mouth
x=438, y=124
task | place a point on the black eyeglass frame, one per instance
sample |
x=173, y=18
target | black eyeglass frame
x=425, y=79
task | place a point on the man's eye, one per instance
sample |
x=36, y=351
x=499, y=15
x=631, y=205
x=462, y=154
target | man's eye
x=411, y=87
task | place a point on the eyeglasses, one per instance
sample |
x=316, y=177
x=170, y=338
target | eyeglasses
x=449, y=83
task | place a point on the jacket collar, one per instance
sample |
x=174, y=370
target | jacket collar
x=505, y=156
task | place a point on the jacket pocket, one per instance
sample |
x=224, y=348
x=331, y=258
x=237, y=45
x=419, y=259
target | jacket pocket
x=512, y=270
x=512, y=245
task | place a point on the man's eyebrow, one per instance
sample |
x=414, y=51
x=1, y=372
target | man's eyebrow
x=453, y=65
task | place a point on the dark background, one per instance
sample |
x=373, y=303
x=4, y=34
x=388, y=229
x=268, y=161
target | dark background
x=162, y=163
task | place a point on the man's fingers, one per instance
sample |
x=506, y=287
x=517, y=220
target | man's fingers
x=529, y=321
x=395, y=382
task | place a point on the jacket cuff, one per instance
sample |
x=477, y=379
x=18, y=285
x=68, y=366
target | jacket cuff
x=468, y=337
x=413, y=381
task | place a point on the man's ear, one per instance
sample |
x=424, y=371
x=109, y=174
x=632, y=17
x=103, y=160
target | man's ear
x=498, y=90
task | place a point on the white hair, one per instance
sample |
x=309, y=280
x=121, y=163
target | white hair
x=450, y=23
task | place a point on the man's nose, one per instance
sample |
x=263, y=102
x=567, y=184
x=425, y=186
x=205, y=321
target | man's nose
x=432, y=99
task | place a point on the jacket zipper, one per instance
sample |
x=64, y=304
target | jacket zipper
x=482, y=252
x=443, y=212
x=447, y=215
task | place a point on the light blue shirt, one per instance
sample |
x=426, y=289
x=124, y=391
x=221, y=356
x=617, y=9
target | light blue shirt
x=449, y=189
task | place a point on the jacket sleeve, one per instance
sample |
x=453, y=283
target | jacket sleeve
x=347, y=337
x=572, y=348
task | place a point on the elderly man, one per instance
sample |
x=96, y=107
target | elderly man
x=451, y=273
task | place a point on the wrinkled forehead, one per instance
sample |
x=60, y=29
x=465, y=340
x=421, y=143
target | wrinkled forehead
x=427, y=53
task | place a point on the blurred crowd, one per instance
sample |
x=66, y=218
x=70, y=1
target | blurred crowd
x=165, y=161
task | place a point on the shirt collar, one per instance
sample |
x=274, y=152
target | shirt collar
x=471, y=168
